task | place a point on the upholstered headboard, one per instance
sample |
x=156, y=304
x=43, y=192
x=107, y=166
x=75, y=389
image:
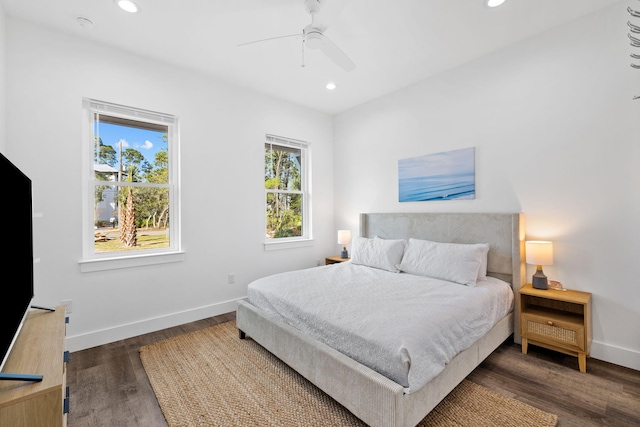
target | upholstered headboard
x=504, y=232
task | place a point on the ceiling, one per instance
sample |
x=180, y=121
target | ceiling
x=393, y=43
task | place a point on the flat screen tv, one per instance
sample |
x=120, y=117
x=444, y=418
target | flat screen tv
x=16, y=213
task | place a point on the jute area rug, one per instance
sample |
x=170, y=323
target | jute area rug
x=212, y=378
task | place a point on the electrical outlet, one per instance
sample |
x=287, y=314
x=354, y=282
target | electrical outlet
x=231, y=278
x=68, y=305
x=318, y=263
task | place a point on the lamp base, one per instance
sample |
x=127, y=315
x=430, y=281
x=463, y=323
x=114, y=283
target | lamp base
x=344, y=254
x=540, y=280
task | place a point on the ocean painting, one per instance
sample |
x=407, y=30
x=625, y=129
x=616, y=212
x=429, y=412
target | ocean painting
x=450, y=175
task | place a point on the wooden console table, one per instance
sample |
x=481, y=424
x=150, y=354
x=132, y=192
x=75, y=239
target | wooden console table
x=39, y=349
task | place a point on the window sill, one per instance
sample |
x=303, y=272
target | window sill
x=88, y=266
x=289, y=244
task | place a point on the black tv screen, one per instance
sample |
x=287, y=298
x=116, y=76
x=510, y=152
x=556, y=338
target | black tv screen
x=16, y=214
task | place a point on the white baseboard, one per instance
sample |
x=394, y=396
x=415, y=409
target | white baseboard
x=616, y=355
x=106, y=336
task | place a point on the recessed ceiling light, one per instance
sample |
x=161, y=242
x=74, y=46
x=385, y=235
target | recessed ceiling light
x=494, y=3
x=127, y=5
x=330, y=86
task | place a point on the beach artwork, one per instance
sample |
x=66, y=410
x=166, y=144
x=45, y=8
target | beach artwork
x=448, y=175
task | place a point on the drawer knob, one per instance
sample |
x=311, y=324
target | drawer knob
x=550, y=323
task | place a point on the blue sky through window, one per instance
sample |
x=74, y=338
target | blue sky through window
x=148, y=142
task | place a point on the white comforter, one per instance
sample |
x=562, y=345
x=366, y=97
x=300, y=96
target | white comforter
x=403, y=326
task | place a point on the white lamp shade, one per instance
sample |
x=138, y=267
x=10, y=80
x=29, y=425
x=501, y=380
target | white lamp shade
x=344, y=237
x=539, y=252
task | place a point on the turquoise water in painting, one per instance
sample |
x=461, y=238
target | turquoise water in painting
x=454, y=186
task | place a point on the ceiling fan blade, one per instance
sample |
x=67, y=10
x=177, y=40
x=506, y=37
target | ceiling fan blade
x=329, y=11
x=271, y=38
x=337, y=55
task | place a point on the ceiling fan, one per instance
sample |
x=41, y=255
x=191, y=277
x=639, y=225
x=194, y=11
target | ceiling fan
x=322, y=12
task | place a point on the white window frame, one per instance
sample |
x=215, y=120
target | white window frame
x=92, y=261
x=306, y=238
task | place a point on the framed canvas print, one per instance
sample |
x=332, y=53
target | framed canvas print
x=449, y=175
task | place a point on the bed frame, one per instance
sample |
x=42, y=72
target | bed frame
x=373, y=398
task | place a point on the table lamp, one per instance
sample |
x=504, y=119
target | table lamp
x=539, y=253
x=344, y=238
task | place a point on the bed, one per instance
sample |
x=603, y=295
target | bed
x=391, y=397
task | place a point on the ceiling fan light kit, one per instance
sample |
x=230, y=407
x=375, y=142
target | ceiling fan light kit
x=313, y=38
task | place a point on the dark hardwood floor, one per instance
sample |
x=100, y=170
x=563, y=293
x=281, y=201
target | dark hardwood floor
x=109, y=387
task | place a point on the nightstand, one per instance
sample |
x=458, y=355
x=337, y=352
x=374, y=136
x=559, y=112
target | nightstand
x=335, y=260
x=557, y=320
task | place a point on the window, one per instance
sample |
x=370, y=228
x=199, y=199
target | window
x=131, y=185
x=286, y=182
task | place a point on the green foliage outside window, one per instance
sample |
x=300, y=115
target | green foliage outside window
x=284, y=196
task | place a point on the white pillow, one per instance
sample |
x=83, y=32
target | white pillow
x=378, y=253
x=482, y=272
x=455, y=262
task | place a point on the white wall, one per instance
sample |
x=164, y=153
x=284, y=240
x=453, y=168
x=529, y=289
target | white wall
x=222, y=136
x=556, y=137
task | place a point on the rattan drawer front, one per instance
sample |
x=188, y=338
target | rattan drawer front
x=563, y=334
